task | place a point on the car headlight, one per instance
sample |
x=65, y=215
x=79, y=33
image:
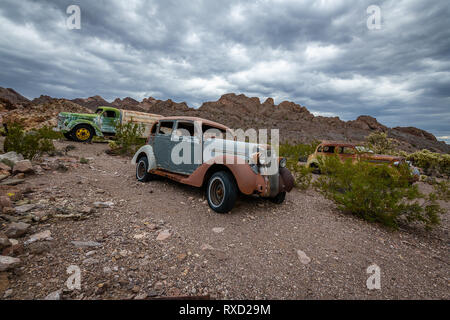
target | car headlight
x=282, y=163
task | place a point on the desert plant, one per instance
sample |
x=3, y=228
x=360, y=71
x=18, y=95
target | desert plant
x=379, y=193
x=29, y=144
x=302, y=174
x=380, y=143
x=431, y=161
x=298, y=152
x=128, y=138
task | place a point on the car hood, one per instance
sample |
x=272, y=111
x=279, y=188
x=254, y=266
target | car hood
x=87, y=116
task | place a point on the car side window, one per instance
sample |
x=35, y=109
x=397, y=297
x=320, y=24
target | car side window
x=165, y=127
x=347, y=150
x=328, y=149
x=185, y=129
x=109, y=114
x=319, y=149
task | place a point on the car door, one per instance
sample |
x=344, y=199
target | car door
x=162, y=143
x=185, y=148
x=109, y=119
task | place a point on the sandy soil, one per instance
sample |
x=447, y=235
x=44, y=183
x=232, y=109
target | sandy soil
x=250, y=253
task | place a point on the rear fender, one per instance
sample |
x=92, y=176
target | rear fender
x=147, y=151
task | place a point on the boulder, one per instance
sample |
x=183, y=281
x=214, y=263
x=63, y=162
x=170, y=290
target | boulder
x=8, y=263
x=5, y=202
x=4, y=241
x=12, y=156
x=16, y=229
x=23, y=166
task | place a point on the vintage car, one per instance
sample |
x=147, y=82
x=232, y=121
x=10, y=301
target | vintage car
x=345, y=150
x=200, y=152
x=82, y=127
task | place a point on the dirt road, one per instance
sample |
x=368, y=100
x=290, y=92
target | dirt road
x=250, y=253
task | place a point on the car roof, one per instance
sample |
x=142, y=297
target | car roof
x=338, y=144
x=203, y=121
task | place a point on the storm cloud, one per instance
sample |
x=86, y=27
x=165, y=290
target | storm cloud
x=320, y=54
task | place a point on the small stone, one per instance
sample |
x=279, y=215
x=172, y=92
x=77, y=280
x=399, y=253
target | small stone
x=55, y=295
x=158, y=286
x=218, y=230
x=141, y=296
x=16, y=229
x=303, y=257
x=86, y=244
x=4, y=241
x=107, y=204
x=206, y=247
x=136, y=289
x=39, y=236
x=39, y=247
x=8, y=263
x=25, y=208
x=23, y=166
x=90, y=261
x=181, y=256
x=5, y=201
x=8, y=293
x=163, y=235
x=107, y=270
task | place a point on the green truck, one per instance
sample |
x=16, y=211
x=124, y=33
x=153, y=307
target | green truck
x=82, y=127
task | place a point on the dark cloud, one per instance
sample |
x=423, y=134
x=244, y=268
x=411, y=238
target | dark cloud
x=317, y=53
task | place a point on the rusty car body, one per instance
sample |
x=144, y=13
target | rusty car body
x=354, y=152
x=197, y=152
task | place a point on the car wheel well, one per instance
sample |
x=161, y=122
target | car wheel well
x=140, y=156
x=216, y=168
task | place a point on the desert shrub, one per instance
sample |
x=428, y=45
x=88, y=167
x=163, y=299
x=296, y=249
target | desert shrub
x=298, y=152
x=30, y=144
x=302, y=174
x=380, y=143
x=379, y=193
x=128, y=138
x=431, y=161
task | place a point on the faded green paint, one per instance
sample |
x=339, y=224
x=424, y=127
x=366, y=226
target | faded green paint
x=99, y=121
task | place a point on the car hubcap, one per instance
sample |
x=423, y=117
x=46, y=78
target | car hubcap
x=141, y=169
x=217, y=192
x=83, y=134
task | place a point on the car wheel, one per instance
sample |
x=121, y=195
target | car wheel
x=279, y=198
x=221, y=192
x=315, y=168
x=142, y=170
x=83, y=133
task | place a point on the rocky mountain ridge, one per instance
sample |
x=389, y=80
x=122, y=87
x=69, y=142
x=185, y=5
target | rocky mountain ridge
x=295, y=122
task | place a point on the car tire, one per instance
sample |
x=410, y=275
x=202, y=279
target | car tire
x=279, y=198
x=68, y=136
x=315, y=168
x=221, y=192
x=83, y=133
x=142, y=174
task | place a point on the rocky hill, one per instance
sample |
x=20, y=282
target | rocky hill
x=295, y=122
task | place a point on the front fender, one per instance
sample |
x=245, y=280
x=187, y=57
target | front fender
x=146, y=150
x=76, y=122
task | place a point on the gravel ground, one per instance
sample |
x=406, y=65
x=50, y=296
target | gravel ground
x=250, y=253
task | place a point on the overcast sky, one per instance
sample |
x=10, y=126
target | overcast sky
x=320, y=54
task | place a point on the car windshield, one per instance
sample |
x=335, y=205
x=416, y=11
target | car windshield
x=364, y=149
x=98, y=111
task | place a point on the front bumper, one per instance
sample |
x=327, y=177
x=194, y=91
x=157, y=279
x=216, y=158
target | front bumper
x=274, y=184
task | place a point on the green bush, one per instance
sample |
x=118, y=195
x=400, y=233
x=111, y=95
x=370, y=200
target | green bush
x=302, y=175
x=379, y=193
x=378, y=142
x=128, y=138
x=29, y=144
x=298, y=152
x=431, y=161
